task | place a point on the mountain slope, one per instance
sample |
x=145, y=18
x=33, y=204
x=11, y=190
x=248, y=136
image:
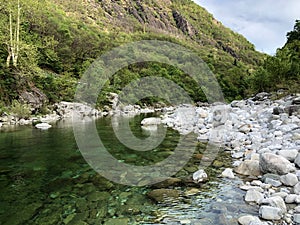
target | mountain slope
x=60, y=38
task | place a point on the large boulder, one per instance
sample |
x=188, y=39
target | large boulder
x=271, y=163
x=35, y=98
x=248, y=168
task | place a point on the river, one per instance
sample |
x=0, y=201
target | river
x=44, y=179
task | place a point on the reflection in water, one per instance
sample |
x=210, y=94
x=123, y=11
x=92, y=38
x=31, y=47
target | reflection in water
x=45, y=180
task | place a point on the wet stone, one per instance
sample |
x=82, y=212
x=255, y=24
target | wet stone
x=98, y=196
x=159, y=195
x=119, y=221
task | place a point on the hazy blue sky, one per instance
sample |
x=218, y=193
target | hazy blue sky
x=263, y=22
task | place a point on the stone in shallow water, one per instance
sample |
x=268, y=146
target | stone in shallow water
x=228, y=173
x=200, y=176
x=117, y=221
x=98, y=196
x=159, y=195
x=169, y=182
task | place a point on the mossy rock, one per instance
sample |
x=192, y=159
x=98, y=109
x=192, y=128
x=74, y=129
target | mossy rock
x=160, y=195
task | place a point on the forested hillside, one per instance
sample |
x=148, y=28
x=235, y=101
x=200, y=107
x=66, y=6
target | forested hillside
x=46, y=45
x=281, y=71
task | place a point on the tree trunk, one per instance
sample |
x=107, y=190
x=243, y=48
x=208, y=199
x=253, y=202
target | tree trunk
x=13, y=47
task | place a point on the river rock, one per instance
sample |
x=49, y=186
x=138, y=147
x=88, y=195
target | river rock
x=274, y=183
x=167, y=183
x=246, y=220
x=200, y=176
x=253, y=196
x=269, y=162
x=290, y=198
x=296, y=218
x=289, y=179
x=297, y=160
x=43, y=126
x=289, y=154
x=75, y=109
x=275, y=201
x=270, y=213
x=228, y=173
x=159, y=195
x=297, y=188
x=151, y=121
x=248, y=168
x=117, y=221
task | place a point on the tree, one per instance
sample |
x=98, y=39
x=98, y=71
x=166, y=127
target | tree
x=13, y=47
x=294, y=34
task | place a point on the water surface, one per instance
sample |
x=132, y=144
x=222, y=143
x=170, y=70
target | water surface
x=45, y=180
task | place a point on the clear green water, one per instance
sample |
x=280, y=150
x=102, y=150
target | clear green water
x=45, y=180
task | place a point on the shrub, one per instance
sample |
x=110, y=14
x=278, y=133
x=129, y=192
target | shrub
x=20, y=110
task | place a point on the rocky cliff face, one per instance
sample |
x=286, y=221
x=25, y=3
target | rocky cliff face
x=180, y=19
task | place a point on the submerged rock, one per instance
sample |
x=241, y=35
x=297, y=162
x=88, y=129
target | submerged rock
x=159, y=195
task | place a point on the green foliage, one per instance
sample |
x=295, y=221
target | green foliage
x=20, y=110
x=281, y=70
x=3, y=108
x=60, y=39
x=294, y=34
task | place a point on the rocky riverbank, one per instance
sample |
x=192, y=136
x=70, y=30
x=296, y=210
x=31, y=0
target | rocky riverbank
x=263, y=136
x=67, y=110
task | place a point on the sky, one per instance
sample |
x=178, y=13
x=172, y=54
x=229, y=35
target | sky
x=263, y=22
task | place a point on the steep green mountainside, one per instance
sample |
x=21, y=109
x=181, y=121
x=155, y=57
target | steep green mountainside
x=59, y=39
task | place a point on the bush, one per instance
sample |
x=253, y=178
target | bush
x=3, y=108
x=20, y=110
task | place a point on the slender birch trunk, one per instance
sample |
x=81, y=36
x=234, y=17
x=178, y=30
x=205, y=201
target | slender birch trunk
x=14, y=36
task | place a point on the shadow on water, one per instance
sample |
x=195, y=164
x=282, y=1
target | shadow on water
x=45, y=180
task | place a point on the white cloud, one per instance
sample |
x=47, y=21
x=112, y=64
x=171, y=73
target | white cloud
x=263, y=22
